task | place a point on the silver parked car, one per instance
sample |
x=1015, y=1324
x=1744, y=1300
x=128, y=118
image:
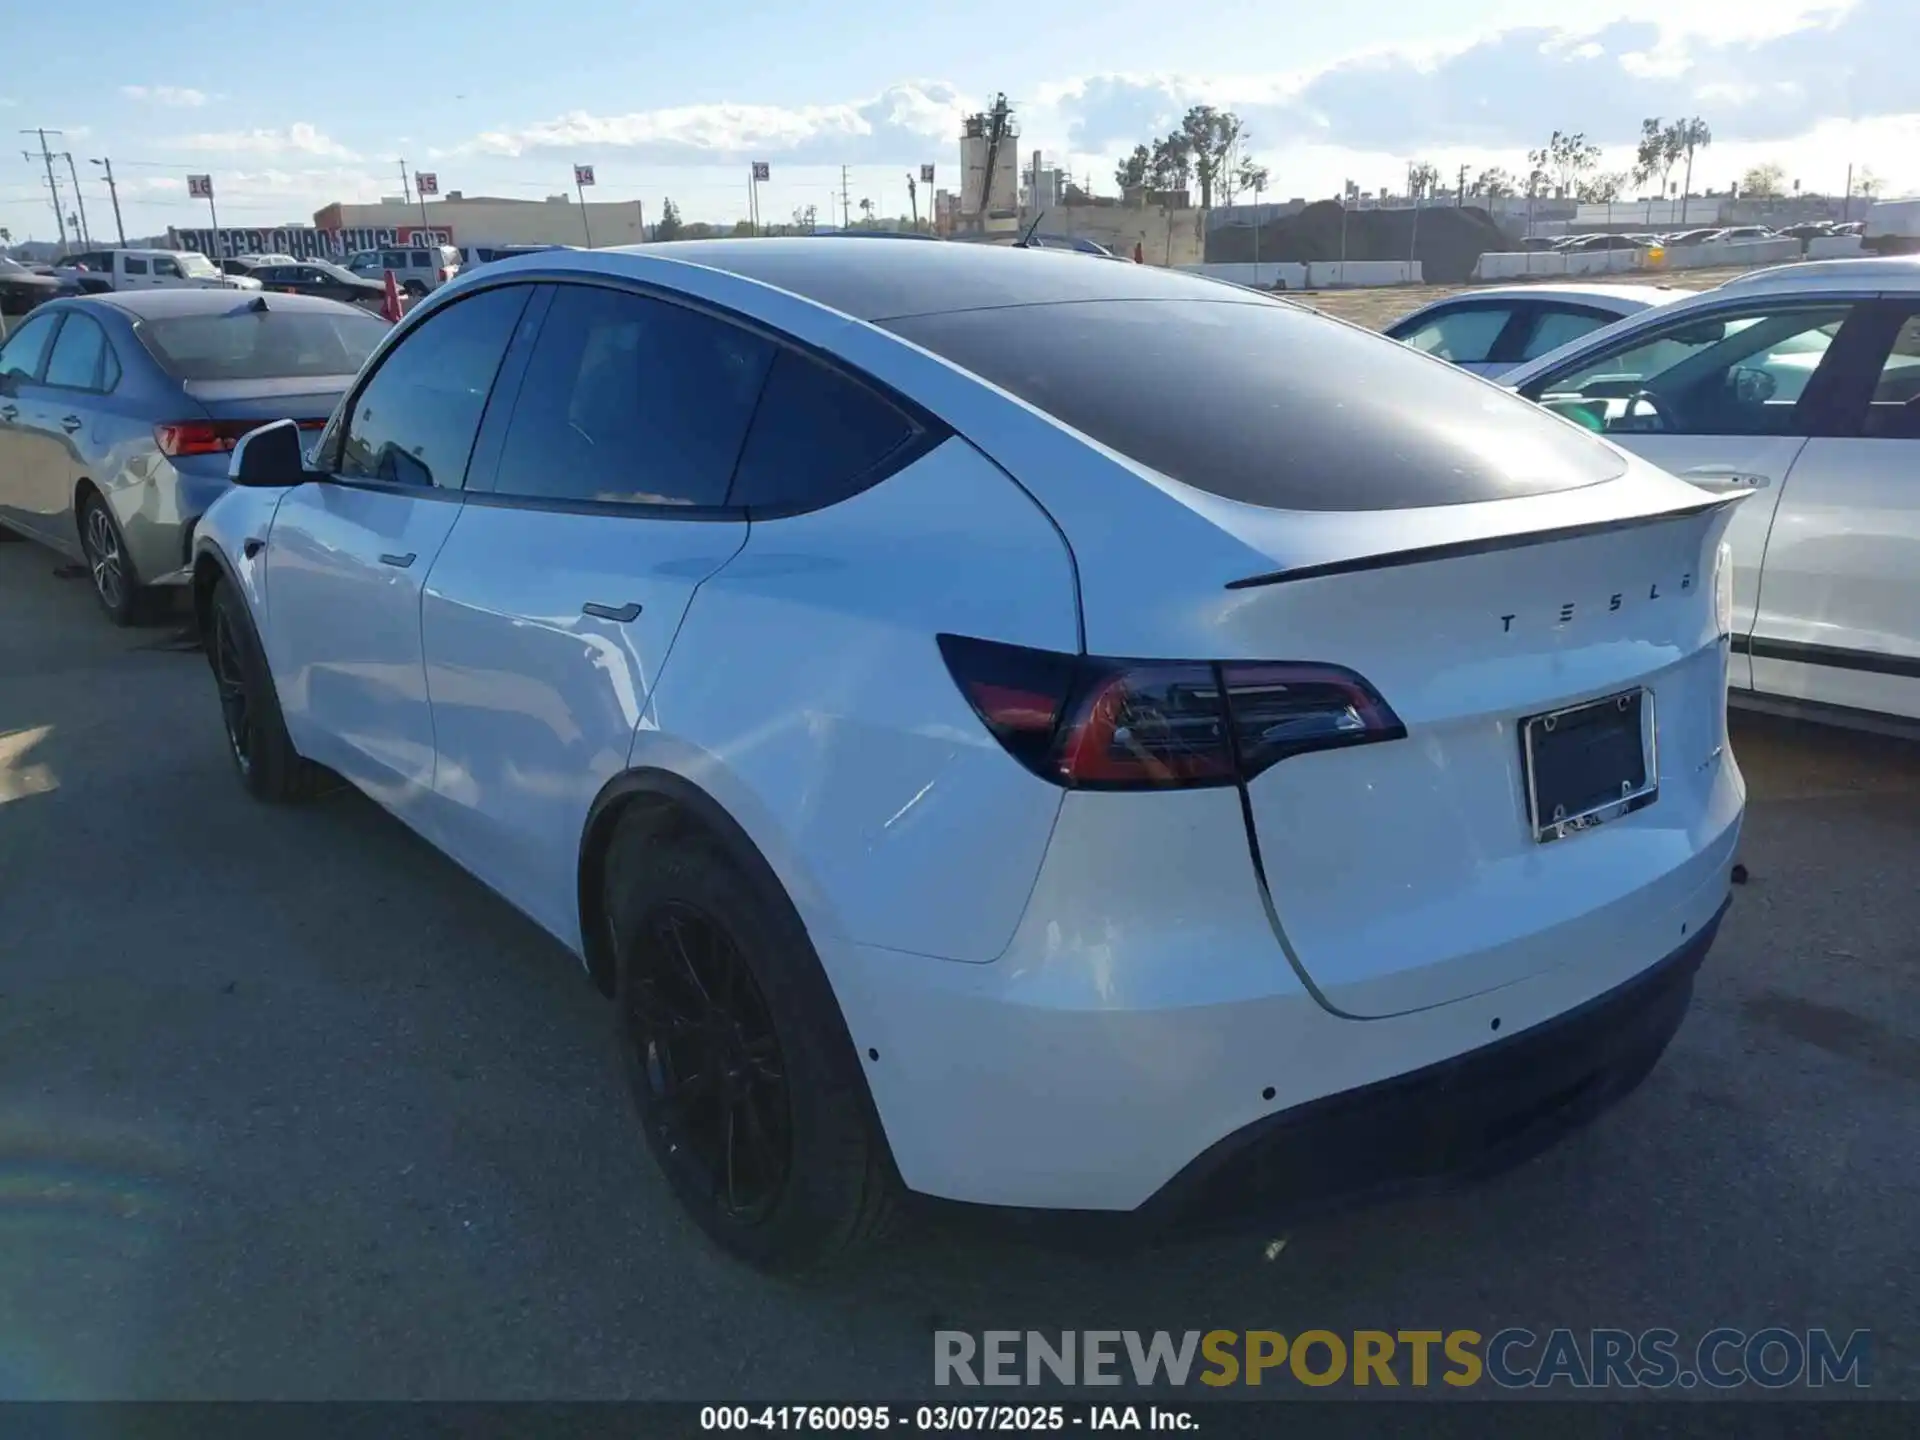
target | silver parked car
x=1798, y=387
x=118, y=412
x=1491, y=330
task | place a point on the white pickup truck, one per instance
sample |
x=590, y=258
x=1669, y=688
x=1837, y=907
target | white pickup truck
x=1893, y=227
x=97, y=270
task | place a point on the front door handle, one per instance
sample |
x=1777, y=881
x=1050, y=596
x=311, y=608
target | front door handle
x=1720, y=477
x=71, y=423
x=622, y=613
x=399, y=562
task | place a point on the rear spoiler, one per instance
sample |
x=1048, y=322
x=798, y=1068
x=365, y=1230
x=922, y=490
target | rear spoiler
x=1486, y=545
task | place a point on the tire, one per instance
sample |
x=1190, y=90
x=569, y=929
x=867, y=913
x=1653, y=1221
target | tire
x=796, y=1173
x=270, y=769
x=116, y=585
x=415, y=289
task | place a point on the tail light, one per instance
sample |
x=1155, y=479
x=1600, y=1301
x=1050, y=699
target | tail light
x=179, y=438
x=445, y=274
x=1092, y=724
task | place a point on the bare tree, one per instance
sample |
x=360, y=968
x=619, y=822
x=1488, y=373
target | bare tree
x=1422, y=177
x=1764, y=182
x=1570, y=157
x=1601, y=189
x=1494, y=183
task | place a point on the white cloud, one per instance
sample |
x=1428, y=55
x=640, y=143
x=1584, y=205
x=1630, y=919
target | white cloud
x=300, y=138
x=896, y=125
x=178, y=96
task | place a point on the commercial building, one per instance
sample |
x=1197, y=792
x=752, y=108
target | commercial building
x=490, y=220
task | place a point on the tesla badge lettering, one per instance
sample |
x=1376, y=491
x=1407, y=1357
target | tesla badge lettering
x=1568, y=611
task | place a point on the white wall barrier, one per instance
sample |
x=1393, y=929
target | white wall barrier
x=1833, y=247
x=1356, y=273
x=1319, y=275
x=1261, y=276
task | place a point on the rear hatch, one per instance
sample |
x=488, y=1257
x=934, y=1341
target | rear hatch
x=1309, y=539
x=1561, y=698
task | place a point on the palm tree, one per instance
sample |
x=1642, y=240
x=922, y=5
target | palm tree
x=866, y=212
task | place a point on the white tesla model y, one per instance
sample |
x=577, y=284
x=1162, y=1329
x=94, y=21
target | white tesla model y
x=1035, y=733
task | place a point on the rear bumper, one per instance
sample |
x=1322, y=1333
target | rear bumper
x=1474, y=1115
x=1118, y=1055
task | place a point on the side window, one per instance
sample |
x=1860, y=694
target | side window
x=1724, y=374
x=166, y=265
x=415, y=421
x=394, y=259
x=817, y=437
x=135, y=265
x=631, y=399
x=419, y=259
x=1894, y=413
x=1555, y=328
x=1464, y=336
x=27, y=346
x=75, y=362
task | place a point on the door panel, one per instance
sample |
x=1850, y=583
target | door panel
x=1839, y=611
x=548, y=617
x=1839, y=615
x=343, y=609
x=535, y=700
x=31, y=447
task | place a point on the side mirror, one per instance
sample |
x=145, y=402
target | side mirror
x=268, y=458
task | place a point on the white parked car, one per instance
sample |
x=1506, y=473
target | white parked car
x=1026, y=732
x=1489, y=331
x=148, y=270
x=1798, y=387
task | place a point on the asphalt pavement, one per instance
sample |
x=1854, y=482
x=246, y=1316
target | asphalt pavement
x=292, y=1108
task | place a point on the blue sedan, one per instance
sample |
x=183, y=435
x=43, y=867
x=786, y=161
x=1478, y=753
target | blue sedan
x=117, y=413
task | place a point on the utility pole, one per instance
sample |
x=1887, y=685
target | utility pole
x=53, y=186
x=406, y=194
x=86, y=235
x=114, y=191
x=1846, y=203
x=846, y=209
x=1461, y=198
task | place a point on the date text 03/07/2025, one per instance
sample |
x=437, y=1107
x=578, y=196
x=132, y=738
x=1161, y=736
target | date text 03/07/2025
x=940, y=1419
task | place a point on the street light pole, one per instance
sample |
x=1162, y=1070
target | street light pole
x=114, y=191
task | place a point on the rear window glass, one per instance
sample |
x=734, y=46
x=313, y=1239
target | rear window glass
x=1268, y=404
x=245, y=344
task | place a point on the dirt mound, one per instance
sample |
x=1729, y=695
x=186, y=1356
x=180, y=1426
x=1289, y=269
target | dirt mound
x=1449, y=241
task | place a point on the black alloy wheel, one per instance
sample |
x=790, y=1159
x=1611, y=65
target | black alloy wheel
x=710, y=1062
x=230, y=676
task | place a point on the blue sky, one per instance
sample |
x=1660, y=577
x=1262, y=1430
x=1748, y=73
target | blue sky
x=675, y=100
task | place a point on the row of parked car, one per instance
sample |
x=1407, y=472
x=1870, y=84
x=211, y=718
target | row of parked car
x=1705, y=235
x=130, y=409
x=418, y=270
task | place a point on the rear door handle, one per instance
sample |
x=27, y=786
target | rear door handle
x=71, y=423
x=622, y=613
x=1720, y=477
x=399, y=562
